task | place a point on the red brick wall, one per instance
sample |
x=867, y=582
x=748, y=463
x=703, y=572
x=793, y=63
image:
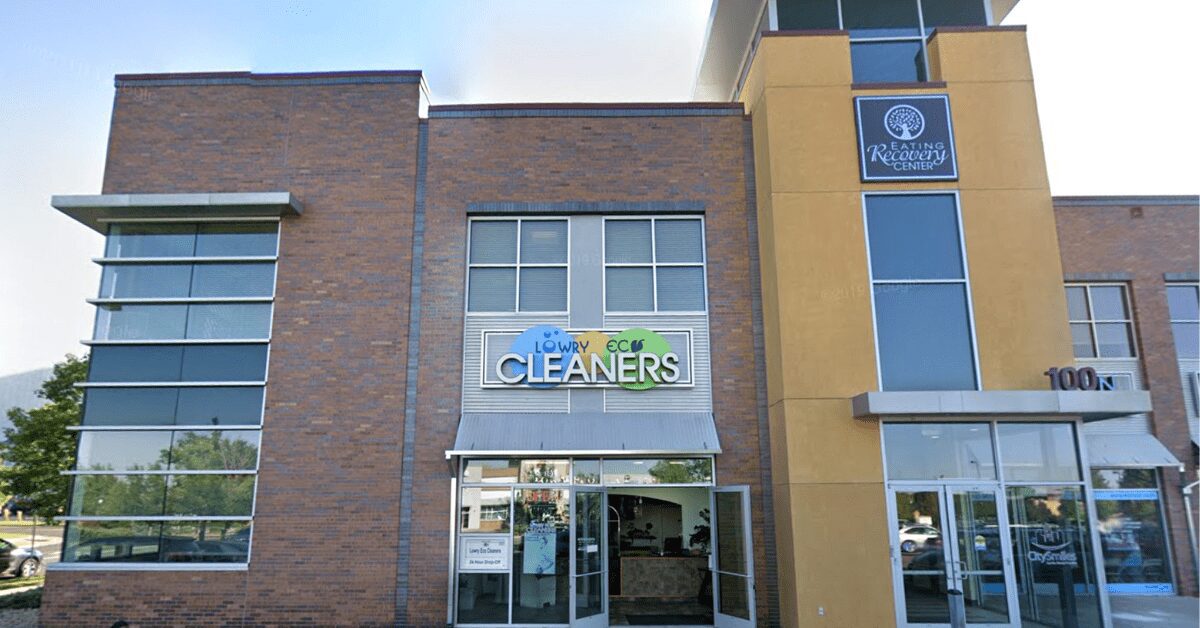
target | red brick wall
x=561, y=159
x=326, y=524
x=1146, y=242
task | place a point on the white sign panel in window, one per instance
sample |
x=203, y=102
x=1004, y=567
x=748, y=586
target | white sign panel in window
x=545, y=356
x=484, y=553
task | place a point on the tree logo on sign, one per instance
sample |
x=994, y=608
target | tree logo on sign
x=904, y=122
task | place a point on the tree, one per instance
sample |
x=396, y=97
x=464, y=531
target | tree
x=905, y=122
x=38, y=447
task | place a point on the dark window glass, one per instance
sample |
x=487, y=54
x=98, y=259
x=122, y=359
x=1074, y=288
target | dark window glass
x=807, y=14
x=493, y=242
x=223, y=495
x=111, y=542
x=224, y=363
x=221, y=405
x=237, y=239
x=233, y=280
x=206, y=541
x=118, y=495
x=924, y=338
x=1182, y=301
x=492, y=290
x=159, y=281
x=124, y=451
x=488, y=593
x=130, y=406
x=151, y=240
x=140, y=322
x=887, y=62
x=135, y=363
x=1187, y=339
x=914, y=236
x=881, y=18
x=224, y=450
x=1034, y=452
x=953, y=13
x=544, y=242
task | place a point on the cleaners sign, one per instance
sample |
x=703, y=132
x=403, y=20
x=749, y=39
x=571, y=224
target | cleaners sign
x=905, y=138
x=546, y=356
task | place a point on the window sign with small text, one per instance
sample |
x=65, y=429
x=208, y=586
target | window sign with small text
x=905, y=138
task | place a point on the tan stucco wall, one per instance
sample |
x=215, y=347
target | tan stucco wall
x=831, y=516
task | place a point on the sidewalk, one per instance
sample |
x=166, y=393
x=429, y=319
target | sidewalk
x=1155, y=612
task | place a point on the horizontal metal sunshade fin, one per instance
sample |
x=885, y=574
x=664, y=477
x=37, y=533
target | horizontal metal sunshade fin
x=586, y=433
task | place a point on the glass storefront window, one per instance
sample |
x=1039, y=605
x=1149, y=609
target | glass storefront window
x=1038, y=452
x=1130, y=522
x=482, y=598
x=484, y=471
x=936, y=451
x=545, y=472
x=658, y=471
x=151, y=541
x=541, y=559
x=587, y=471
x=484, y=510
x=1056, y=582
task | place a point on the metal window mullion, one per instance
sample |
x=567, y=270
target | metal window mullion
x=517, y=281
x=918, y=281
x=654, y=263
x=885, y=40
x=924, y=41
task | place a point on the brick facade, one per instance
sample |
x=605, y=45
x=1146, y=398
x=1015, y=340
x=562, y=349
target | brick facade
x=328, y=535
x=1144, y=238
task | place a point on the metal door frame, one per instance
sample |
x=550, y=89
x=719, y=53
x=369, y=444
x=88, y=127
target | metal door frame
x=601, y=618
x=721, y=620
x=950, y=555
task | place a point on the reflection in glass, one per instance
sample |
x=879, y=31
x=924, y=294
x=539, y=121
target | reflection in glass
x=135, y=363
x=1056, y=582
x=111, y=541
x=224, y=363
x=1130, y=521
x=1035, y=452
x=587, y=471
x=220, y=405
x=731, y=530
x=914, y=236
x=206, y=541
x=589, y=595
x=224, y=495
x=658, y=471
x=925, y=600
x=484, y=509
x=545, y=472
x=118, y=495
x=734, y=597
x=1124, y=478
x=934, y=451
x=150, y=240
x=130, y=406
x=123, y=451
x=541, y=559
x=488, y=471
x=920, y=520
x=244, y=239
x=981, y=560
x=159, y=281
x=589, y=522
x=482, y=598
x=140, y=322
x=232, y=450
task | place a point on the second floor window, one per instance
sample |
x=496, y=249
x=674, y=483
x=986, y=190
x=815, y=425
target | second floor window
x=1101, y=323
x=1183, y=301
x=654, y=265
x=517, y=265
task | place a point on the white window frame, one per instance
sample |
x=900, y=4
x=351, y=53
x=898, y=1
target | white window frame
x=654, y=264
x=1092, y=321
x=965, y=281
x=516, y=265
x=1174, y=321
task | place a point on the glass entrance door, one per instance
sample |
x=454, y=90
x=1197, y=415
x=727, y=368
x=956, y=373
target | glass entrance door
x=589, y=579
x=733, y=566
x=951, y=538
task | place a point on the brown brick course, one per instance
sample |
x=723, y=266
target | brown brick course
x=1145, y=240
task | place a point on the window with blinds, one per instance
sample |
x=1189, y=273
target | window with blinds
x=654, y=265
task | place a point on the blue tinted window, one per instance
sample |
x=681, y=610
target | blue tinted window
x=158, y=281
x=233, y=405
x=229, y=321
x=135, y=363
x=887, y=62
x=225, y=363
x=151, y=240
x=237, y=239
x=914, y=236
x=233, y=280
x=130, y=406
x=140, y=322
x=924, y=337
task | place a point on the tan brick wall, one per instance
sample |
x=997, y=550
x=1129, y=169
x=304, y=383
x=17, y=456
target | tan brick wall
x=1146, y=242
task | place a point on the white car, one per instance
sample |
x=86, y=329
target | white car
x=913, y=538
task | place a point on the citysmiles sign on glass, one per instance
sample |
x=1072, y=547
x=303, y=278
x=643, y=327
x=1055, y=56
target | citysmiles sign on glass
x=546, y=356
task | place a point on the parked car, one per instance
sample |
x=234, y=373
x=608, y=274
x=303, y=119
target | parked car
x=913, y=538
x=19, y=561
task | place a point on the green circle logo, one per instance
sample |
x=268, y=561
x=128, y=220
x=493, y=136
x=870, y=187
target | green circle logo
x=639, y=341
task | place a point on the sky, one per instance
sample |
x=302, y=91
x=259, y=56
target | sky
x=1116, y=107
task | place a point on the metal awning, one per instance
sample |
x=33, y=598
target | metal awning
x=586, y=433
x=96, y=210
x=1128, y=450
x=1090, y=405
